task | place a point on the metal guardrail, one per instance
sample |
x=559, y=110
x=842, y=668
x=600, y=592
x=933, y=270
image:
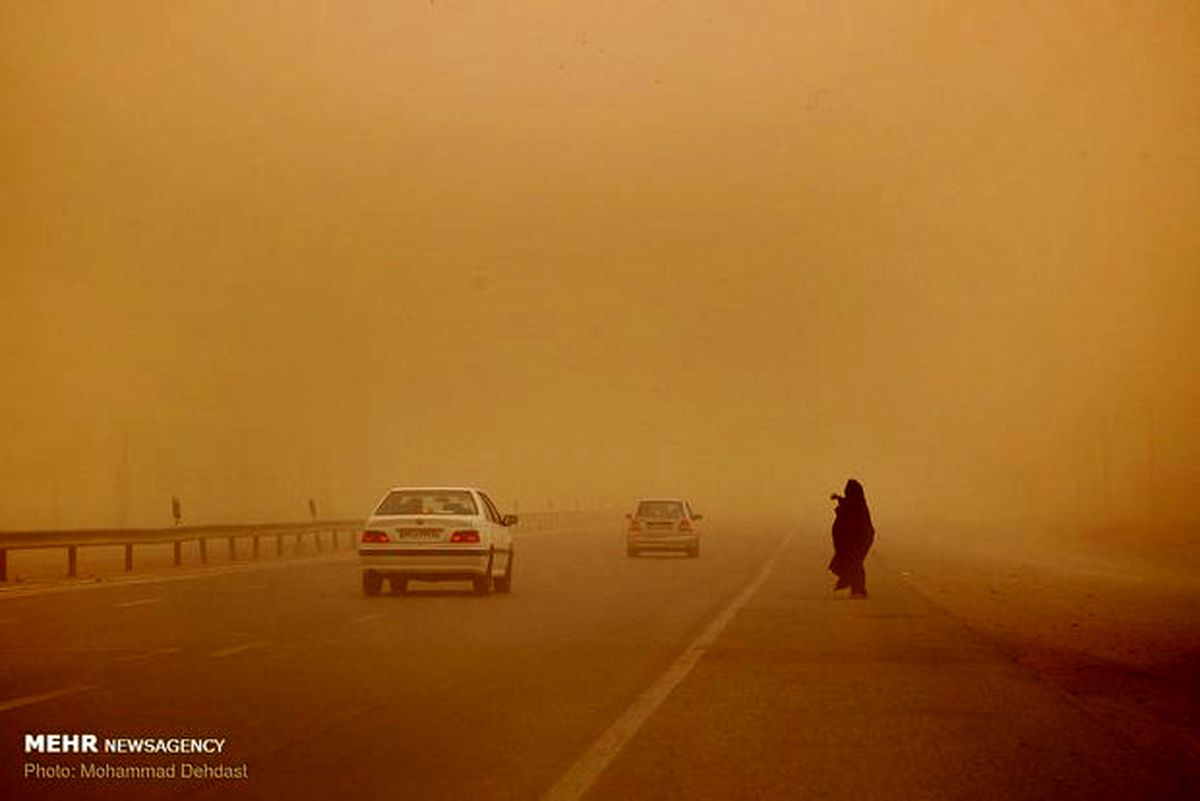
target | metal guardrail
x=74, y=539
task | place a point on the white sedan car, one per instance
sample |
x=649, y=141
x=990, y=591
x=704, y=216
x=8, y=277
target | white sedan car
x=662, y=524
x=436, y=534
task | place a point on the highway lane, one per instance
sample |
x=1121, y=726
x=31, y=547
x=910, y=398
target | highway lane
x=442, y=695
x=810, y=695
x=439, y=693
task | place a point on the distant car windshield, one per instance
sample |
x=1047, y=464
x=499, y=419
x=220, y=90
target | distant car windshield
x=428, y=502
x=660, y=509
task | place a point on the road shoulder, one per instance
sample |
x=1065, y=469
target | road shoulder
x=808, y=694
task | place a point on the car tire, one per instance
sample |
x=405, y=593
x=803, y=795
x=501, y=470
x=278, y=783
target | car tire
x=399, y=585
x=504, y=583
x=483, y=584
x=372, y=583
x=693, y=552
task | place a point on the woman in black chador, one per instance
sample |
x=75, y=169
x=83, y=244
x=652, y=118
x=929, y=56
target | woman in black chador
x=852, y=538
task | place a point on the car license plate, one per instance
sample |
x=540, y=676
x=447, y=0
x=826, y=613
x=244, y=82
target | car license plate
x=419, y=534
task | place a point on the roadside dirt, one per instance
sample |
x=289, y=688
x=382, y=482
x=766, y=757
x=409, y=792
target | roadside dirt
x=1115, y=626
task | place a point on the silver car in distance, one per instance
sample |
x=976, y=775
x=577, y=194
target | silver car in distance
x=662, y=524
x=436, y=534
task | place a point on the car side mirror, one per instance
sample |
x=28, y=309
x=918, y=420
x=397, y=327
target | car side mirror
x=697, y=517
x=629, y=515
x=509, y=520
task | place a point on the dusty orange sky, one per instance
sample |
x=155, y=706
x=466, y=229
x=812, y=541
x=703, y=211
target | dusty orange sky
x=576, y=252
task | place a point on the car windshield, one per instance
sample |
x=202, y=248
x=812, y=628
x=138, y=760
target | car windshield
x=428, y=502
x=660, y=509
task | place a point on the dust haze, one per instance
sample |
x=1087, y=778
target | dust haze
x=575, y=254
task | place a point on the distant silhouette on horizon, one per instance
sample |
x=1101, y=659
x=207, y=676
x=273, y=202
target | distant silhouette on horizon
x=853, y=535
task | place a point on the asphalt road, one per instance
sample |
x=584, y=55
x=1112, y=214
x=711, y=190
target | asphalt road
x=737, y=675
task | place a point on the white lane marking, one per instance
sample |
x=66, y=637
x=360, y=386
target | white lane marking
x=237, y=649
x=365, y=618
x=149, y=654
x=142, y=602
x=579, y=778
x=14, y=703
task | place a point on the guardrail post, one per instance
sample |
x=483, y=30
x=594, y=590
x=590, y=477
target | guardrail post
x=3, y=565
x=232, y=549
x=178, y=552
x=129, y=557
x=317, y=541
x=255, y=546
x=334, y=539
x=299, y=542
x=279, y=545
x=72, y=561
x=203, y=551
